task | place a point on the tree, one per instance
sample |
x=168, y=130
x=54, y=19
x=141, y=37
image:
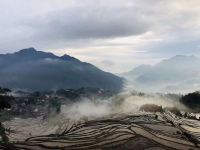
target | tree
x=3, y=131
x=4, y=101
x=192, y=101
x=3, y=134
x=4, y=90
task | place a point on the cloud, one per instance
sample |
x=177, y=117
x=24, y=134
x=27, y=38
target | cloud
x=90, y=23
x=74, y=23
x=125, y=32
x=108, y=63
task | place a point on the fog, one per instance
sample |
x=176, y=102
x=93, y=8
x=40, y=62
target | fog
x=126, y=102
x=87, y=108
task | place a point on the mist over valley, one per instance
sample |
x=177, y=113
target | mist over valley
x=99, y=75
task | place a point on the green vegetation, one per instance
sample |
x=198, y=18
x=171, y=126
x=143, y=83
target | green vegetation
x=4, y=103
x=3, y=134
x=192, y=101
x=4, y=90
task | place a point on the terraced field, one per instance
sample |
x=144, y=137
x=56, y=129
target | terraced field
x=129, y=132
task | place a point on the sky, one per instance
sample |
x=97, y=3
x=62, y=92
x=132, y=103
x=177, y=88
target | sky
x=115, y=35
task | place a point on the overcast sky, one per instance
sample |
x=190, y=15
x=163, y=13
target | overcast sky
x=115, y=35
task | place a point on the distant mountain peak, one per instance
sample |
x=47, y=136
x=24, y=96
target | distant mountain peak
x=137, y=71
x=179, y=56
x=27, y=50
x=32, y=72
x=183, y=57
x=32, y=52
x=68, y=58
x=178, y=60
x=140, y=67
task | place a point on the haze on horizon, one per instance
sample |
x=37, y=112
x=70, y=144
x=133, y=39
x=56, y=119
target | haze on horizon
x=115, y=35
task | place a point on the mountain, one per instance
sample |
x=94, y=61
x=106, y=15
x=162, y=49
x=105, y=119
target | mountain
x=136, y=72
x=177, y=74
x=36, y=70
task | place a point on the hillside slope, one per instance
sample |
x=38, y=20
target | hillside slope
x=36, y=70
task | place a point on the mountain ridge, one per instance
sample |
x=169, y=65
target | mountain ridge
x=36, y=70
x=170, y=74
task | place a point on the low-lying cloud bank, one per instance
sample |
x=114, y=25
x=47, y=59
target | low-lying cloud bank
x=124, y=103
x=72, y=112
